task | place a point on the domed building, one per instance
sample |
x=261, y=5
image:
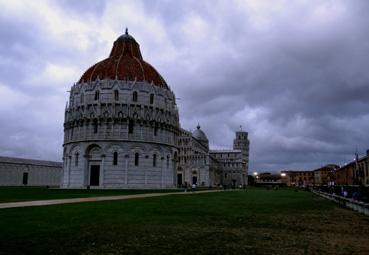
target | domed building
x=199, y=165
x=121, y=124
x=200, y=136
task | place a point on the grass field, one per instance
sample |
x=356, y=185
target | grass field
x=15, y=194
x=253, y=222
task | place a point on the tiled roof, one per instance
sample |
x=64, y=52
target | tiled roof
x=124, y=63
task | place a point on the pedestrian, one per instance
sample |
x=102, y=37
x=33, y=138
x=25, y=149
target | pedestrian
x=345, y=193
x=355, y=196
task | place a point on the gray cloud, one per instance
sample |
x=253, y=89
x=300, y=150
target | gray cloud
x=293, y=74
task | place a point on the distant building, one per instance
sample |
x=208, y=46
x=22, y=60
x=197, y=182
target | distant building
x=355, y=172
x=122, y=130
x=361, y=173
x=298, y=178
x=344, y=175
x=197, y=164
x=268, y=179
x=29, y=172
x=193, y=159
x=325, y=175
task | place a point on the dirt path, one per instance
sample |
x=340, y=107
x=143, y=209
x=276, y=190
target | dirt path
x=94, y=199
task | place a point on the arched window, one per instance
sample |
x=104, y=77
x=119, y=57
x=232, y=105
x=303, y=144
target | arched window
x=168, y=161
x=154, y=160
x=82, y=99
x=131, y=125
x=116, y=95
x=137, y=157
x=95, y=126
x=151, y=98
x=76, y=159
x=97, y=95
x=115, y=158
x=175, y=156
x=134, y=97
x=156, y=129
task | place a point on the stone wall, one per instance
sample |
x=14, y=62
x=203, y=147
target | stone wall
x=123, y=173
x=27, y=172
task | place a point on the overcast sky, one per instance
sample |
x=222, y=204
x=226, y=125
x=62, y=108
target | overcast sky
x=294, y=74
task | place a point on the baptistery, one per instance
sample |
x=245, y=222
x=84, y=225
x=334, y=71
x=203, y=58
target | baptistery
x=121, y=124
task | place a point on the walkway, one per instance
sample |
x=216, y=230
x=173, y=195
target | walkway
x=94, y=199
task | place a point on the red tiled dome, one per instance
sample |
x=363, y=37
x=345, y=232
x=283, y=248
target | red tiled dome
x=124, y=63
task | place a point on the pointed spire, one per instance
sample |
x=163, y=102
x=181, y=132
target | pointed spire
x=126, y=30
x=198, y=125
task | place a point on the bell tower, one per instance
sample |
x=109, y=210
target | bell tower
x=242, y=143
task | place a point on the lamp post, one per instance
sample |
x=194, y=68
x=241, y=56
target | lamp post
x=283, y=176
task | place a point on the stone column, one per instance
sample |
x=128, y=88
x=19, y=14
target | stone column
x=69, y=168
x=161, y=166
x=102, y=172
x=199, y=176
x=126, y=169
x=145, y=173
x=84, y=130
x=175, y=173
x=86, y=172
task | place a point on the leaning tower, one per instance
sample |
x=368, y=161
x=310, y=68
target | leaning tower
x=242, y=143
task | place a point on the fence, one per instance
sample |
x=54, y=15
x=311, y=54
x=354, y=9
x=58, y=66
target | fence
x=355, y=205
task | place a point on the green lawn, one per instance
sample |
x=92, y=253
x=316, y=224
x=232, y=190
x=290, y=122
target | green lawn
x=253, y=222
x=15, y=194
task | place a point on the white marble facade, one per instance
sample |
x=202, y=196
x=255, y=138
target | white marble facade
x=122, y=130
x=29, y=172
x=204, y=167
x=138, y=130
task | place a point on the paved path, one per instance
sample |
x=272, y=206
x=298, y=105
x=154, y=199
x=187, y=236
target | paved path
x=94, y=199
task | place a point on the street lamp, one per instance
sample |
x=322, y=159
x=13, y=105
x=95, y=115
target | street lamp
x=283, y=174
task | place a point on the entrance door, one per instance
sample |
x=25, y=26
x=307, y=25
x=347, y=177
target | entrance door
x=179, y=179
x=95, y=175
x=194, y=179
x=25, y=178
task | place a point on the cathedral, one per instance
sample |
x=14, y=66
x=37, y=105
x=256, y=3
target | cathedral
x=122, y=130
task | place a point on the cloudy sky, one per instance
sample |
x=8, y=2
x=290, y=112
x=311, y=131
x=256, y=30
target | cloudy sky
x=294, y=74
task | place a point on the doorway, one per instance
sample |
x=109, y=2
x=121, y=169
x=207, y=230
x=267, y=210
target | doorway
x=194, y=179
x=25, y=178
x=95, y=175
x=233, y=184
x=179, y=180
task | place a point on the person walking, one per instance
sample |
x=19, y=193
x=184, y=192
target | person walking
x=193, y=187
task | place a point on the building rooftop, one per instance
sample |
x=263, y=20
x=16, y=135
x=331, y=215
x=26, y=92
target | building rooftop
x=199, y=134
x=35, y=162
x=124, y=63
x=224, y=151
